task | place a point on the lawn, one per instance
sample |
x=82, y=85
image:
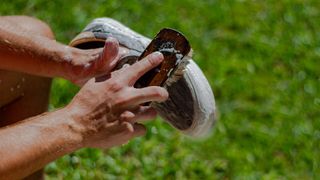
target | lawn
x=262, y=59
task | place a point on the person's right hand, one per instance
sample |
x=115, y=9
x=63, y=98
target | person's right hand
x=106, y=113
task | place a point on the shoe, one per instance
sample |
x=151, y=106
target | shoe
x=190, y=107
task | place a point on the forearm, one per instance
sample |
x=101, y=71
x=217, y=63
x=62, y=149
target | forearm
x=25, y=51
x=28, y=146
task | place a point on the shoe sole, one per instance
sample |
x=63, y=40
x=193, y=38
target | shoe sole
x=191, y=104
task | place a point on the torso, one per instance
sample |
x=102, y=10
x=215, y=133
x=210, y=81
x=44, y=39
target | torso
x=11, y=87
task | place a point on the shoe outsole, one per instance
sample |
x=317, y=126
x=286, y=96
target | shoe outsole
x=191, y=104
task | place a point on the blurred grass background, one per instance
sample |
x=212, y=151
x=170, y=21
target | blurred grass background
x=262, y=60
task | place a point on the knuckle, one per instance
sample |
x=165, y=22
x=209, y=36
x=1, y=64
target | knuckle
x=124, y=117
x=128, y=128
x=124, y=97
x=127, y=115
x=117, y=73
x=151, y=61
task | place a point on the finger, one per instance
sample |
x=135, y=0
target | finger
x=128, y=128
x=126, y=132
x=134, y=72
x=109, y=55
x=147, y=94
x=139, y=130
x=132, y=130
x=126, y=116
x=108, y=59
x=143, y=114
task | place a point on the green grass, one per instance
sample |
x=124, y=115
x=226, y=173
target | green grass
x=262, y=59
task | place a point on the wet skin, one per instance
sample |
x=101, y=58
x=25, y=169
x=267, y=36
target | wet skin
x=103, y=114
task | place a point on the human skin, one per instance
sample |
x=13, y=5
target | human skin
x=103, y=114
x=36, y=54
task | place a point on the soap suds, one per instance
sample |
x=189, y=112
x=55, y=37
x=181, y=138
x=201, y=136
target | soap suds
x=177, y=73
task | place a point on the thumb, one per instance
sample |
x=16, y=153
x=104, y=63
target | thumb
x=109, y=55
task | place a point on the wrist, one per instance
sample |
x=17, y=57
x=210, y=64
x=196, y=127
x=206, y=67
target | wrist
x=67, y=56
x=72, y=132
x=76, y=62
x=80, y=123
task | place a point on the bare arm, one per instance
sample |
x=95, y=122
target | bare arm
x=102, y=114
x=25, y=51
x=31, y=144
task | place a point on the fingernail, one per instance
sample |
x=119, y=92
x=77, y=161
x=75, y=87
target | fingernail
x=157, y=56
x=157, y=53
x=111, y=39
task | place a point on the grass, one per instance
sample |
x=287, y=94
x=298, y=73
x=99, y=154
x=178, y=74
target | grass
x=262, y=60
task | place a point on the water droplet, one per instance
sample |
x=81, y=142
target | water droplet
x=11, y=89
x=18, y=86
x=23, y=79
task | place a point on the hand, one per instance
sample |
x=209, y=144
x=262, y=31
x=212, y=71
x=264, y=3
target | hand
x=85, y=64
x=106, y=113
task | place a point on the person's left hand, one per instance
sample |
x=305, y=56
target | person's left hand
x=106, y=113
x=85, y=64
